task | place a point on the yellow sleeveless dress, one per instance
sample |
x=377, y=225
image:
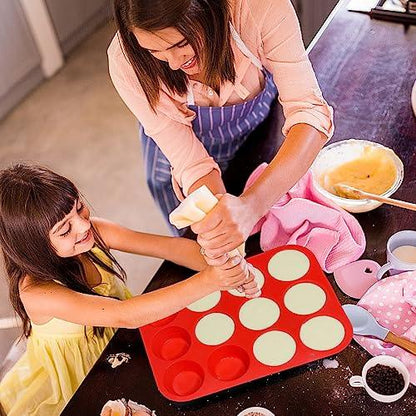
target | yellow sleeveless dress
x=57, y=359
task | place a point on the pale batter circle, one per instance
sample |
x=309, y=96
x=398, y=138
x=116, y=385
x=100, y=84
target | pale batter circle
x=259, y=279
x=259, y=313
x=206, y=303
x=322, y=333
x=214, y=329
x=274, y=348
x=304, y=298
x=288, y=265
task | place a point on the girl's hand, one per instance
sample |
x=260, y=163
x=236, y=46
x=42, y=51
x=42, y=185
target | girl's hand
x=227, y=226
x=220, y=261
x=230, y=275
x=251, y=288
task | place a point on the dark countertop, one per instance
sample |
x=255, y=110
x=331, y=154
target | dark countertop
x=366, y=69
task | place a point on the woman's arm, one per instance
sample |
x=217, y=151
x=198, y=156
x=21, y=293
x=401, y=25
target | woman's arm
x=272, y=27
x=213, y=181
x=231, y=221
x=182, y=251
x=295, y=157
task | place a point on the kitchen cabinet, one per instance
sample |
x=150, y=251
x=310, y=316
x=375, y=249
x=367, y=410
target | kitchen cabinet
x=20, y=69
x=74, y=20
x=20, y=61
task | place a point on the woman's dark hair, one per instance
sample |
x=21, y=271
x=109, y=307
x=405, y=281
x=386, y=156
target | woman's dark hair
x=32, y=200
x=203, y=23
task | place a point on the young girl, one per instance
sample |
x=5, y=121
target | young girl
x=69, y=290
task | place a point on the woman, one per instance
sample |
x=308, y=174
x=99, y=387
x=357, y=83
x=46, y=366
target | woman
x=200, y=76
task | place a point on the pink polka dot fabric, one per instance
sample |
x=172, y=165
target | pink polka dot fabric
x=392, y=301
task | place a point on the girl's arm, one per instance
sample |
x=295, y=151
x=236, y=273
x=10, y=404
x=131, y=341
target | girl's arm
x=44, y=301
x=182, y=251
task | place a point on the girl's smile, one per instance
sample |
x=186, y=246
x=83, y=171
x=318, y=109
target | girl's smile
x=86, y=238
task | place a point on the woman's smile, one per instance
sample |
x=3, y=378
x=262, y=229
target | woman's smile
x=190, y=63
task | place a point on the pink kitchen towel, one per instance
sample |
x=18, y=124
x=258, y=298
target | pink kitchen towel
x=306, y=218
x=392, y=301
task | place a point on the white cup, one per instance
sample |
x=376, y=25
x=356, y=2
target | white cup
x=360, y=381
x=395, y=265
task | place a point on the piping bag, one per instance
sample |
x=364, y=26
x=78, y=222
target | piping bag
x=194, y=208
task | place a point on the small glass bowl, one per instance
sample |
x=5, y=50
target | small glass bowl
x=341, y=152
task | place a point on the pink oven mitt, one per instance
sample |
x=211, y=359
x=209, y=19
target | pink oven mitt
x=303, y=216
x=392, y=301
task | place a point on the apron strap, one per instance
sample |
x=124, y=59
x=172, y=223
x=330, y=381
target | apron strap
x=243, y=48
x=190, y=98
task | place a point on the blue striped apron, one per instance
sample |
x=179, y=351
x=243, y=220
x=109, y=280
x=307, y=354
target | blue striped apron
x=222, y=131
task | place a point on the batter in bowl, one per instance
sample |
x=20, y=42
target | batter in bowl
x=374, y=171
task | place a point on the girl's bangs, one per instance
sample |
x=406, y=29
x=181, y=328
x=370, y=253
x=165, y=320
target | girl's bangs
x=58, y=199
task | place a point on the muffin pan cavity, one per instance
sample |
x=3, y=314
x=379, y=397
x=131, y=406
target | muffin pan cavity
x=228, y=363
x=171, y=343
x=206, y=303
x=184, y=378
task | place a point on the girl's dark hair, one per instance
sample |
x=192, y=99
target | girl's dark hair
x=203, y=23
x=32, y=200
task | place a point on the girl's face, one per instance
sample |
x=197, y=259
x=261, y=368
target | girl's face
x=73, y=235
x=170, y=46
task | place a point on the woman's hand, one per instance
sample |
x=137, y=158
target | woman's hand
x=227, y=273
x=227, y=226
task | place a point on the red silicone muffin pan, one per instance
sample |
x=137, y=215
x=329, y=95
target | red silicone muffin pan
x=185, y=369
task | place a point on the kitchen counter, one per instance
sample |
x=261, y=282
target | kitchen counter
x=366, y=69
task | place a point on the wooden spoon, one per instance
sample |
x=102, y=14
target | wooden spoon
x=349, y=192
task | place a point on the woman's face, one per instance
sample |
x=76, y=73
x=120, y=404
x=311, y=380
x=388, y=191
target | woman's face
x=73, y=235
x=170, y=46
